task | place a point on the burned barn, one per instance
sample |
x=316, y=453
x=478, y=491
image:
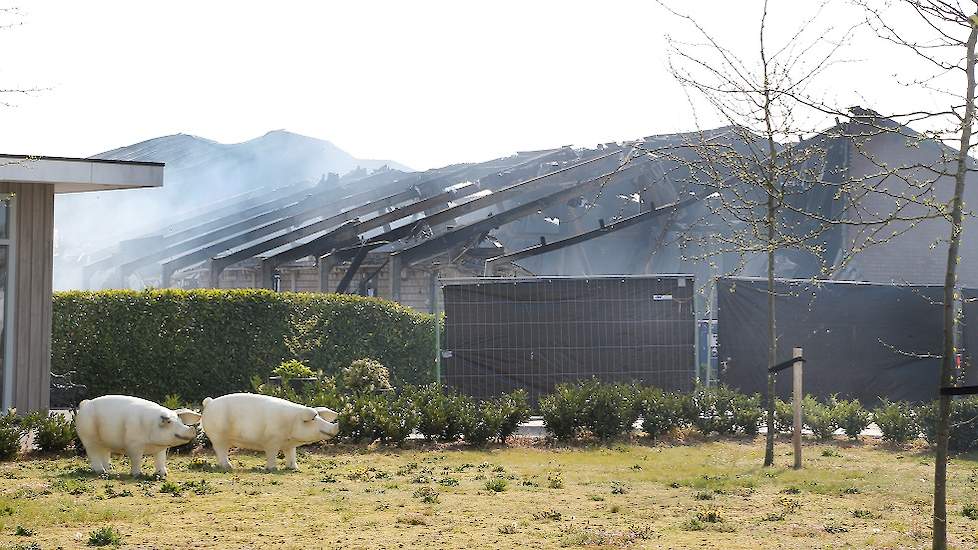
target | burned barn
x=618, y=208
x=391, y=233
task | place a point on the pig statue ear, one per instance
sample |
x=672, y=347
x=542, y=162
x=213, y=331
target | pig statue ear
x=329, y=415
x=188, y=416
x=310, y=414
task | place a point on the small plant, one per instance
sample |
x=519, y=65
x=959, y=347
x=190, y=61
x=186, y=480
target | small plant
x=789, y=505
x=172, y=401
x=830, y=453
x=22, y=531
x=199, y=487
x=703, y=495
x=555, y=480
x=426, y=494
x=694, y=524
x=104, y=536
x=970, y=511
x=773, y=516
x=170, y=488
x=710, y=514
x=896, y=420
x=851, y=491
x=791, y=491
x=618, y=488
x=548, y=515
x=508, y=529
x=862, y=514
x=496, y=485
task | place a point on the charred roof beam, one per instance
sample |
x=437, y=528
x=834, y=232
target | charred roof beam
x=604, y=229
x=438, y=245
x=240, y=239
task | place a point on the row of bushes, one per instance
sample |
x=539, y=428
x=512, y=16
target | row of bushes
x=205, y=343
x=371, y=409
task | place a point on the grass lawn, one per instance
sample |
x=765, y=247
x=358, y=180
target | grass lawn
x=709, y=495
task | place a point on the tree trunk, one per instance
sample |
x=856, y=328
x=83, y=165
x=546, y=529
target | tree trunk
x=772, y=351
x=950, y=280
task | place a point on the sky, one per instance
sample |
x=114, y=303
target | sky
x=425, y=83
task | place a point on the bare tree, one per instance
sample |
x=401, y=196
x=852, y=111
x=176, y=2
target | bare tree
x=942, y=34
x=777, y=195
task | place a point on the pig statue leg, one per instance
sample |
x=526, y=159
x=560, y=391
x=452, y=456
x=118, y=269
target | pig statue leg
x=160, y=459
x=99, y=459
x=271, y=457
x=135, y=460
x=221, y=449
x=292, y=464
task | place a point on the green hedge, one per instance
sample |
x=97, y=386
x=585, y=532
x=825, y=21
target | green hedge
x=205, y=343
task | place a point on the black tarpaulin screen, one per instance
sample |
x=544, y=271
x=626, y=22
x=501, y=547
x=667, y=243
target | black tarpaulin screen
x=969, y=333
x=860, y=340
x=504, y=334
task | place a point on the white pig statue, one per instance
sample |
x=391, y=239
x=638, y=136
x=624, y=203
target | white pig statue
x=264, y=423
x=132, y=426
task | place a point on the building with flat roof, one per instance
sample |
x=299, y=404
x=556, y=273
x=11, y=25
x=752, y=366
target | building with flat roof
x=27, y=188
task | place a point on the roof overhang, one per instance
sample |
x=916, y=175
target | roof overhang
x=73, y=175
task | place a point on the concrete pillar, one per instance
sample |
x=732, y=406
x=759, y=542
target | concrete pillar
x=395, y=275
x=326, y=265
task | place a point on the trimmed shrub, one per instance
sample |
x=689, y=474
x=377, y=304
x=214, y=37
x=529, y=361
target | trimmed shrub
x=784, y=416
x=205, y=343
x=481, y=422
x=365, y=376
x=563, y=411
x=715, y=410
x=851, y=417
x=610, y=410
x=896, y=420
x=820, y=417
x=747, y=414
x=293, y=368
x=515, y=409
x=11, y=431
x=54, y=433
x=661, y=411
x=964, y=423
x=368, y=417
x=441, y=412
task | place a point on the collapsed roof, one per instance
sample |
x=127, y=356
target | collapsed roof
x=542, y=212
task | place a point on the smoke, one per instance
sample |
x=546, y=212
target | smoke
x=200, y=174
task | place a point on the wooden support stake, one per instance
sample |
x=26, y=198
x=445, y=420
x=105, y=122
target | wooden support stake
x=796, y=397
